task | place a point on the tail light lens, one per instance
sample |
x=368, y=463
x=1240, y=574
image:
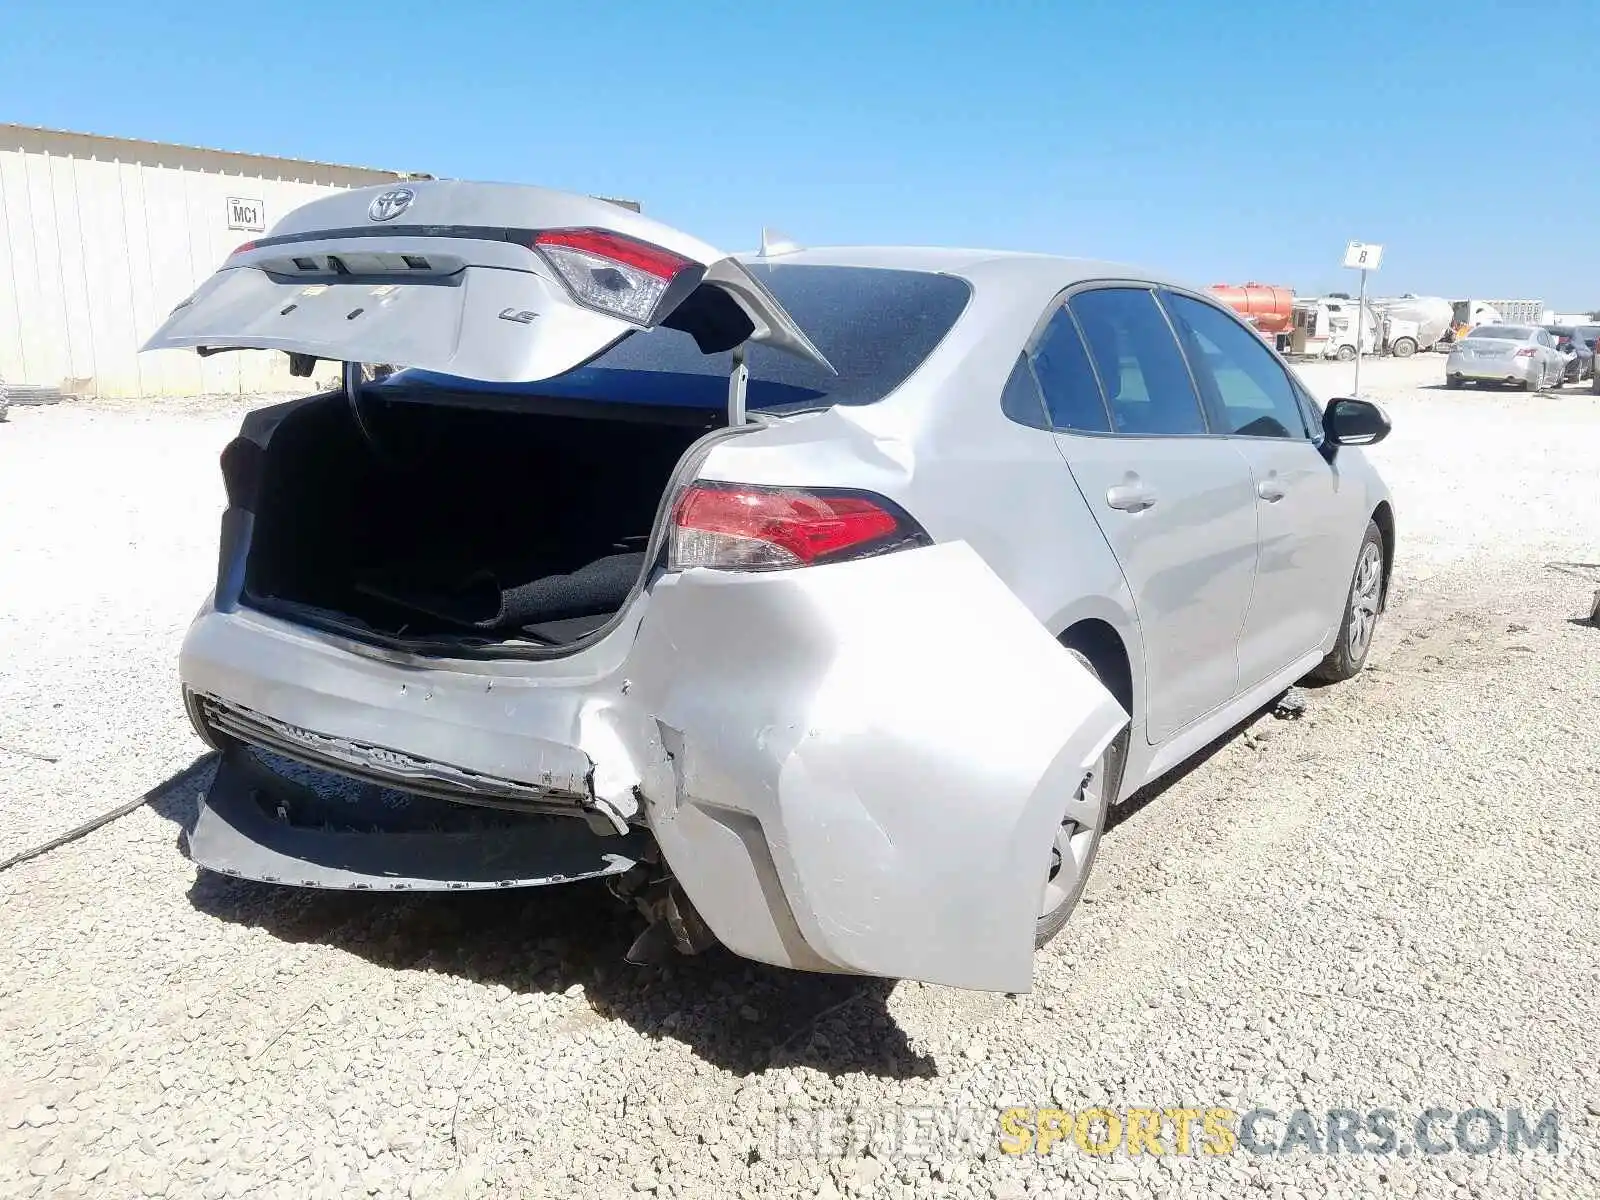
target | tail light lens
x=733, y=527
x=1525, y=352
x=243, y=248
x=618, y=275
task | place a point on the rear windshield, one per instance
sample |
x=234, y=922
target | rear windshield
x=876, y=326
x=1509, y=333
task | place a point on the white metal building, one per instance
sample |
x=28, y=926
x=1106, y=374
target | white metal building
x=100, y=237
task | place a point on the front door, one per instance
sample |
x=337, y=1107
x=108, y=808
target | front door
x=1303, y=565
x=1175, y=505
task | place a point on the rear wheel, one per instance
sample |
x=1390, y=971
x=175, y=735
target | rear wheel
x=1365, y=598
x=1531, y=386
x=1077, y=838
x=1345, y=353
x=1403, y=347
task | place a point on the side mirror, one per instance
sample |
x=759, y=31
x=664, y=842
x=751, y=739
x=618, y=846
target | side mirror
x=1350, y=422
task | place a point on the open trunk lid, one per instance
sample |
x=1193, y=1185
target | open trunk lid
x=494, y=282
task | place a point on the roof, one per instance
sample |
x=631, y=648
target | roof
x=9, y=131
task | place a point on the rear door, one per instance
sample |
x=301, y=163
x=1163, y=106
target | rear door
x=1176, y=505
x=1306, y=513
x=492, y=282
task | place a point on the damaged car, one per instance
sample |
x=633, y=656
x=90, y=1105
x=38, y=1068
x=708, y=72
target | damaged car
x=821, y=599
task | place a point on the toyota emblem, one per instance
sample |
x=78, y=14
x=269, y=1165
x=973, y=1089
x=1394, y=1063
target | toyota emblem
x=389, y=205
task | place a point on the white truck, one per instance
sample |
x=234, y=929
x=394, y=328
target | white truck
x=1412, y=323
x=1466, y=314
x=1325, y=327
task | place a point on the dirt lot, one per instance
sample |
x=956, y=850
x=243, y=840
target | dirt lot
x=1387, y=904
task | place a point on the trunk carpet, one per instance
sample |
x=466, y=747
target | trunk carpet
x=481, y=600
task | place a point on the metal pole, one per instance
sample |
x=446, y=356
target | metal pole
x=1361, y=330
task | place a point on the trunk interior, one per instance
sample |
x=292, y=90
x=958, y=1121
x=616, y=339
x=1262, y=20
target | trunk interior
x=435, y=520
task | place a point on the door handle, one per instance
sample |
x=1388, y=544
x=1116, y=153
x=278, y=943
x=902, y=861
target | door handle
x=1270, y=490
x=1130, y=497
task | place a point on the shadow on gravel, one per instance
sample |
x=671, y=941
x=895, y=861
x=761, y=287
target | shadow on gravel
x=177, y=796
x=737, y=1015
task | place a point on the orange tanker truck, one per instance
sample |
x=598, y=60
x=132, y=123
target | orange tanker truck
x=1268, y=307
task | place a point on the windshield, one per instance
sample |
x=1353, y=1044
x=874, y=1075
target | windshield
x=875, y=325
x=1507, y=333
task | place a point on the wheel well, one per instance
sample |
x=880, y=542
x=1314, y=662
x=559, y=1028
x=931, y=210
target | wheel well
x=1100, y=644
x=1383, y=517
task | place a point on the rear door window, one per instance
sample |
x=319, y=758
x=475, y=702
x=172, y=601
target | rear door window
x=1072, y=394
x=1245, y=389
x=1146, y=382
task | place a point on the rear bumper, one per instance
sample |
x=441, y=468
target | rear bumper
x=1514, y=370
x=567, y=731
x=477, y=717
x=824, y=770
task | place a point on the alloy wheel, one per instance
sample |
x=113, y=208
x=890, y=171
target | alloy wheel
x=1075, y=837
x=1364, y=597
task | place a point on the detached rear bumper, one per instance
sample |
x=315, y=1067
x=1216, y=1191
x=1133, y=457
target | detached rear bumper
x=236, y=834
x=835, y=781
x=422, y=775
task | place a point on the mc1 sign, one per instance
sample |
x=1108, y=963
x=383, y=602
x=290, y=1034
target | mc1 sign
x=248, y=215
x=1363, y=256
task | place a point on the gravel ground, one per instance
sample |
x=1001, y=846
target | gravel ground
x=1386, y=904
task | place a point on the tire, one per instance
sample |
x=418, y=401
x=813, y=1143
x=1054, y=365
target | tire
x=1365, y=597
x=1454, y=381
x=1345, y=353
x=1403, y=347
x=1058, y=902
x=1530, y=386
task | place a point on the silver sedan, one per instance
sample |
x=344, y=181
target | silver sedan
x=1520, y=355
x=824, y=600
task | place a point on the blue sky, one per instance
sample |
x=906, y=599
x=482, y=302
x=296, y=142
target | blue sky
x=1215, y=140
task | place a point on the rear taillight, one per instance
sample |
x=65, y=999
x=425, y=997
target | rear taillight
x=734, y=527
x=615, y=274
x=243, y=248
x=1525, y=352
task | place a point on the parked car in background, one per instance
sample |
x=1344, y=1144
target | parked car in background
x=823, y=600
x=1586, y=336
x=1577, y=354
x=1523, y=356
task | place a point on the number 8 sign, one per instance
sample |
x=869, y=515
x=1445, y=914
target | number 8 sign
x=1363, y=256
